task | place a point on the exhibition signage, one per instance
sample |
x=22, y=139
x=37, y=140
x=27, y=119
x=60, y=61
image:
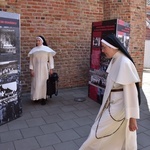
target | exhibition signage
x=10, y=89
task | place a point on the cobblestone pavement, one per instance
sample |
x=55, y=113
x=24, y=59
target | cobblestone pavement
x=63, y=123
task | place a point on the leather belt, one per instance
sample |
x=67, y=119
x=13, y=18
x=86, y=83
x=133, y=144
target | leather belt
x=116, y=90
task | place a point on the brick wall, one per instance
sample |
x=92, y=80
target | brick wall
x=66, y=25
x=134, y=12
x=138, y=33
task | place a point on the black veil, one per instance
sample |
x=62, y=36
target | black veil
x=113, y=40
x=44, y=41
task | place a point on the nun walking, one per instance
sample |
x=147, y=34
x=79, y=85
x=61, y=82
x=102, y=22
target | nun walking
x=41, y=65
x=116, y=123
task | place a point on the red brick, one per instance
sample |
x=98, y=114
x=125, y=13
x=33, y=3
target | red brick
x=66, y=25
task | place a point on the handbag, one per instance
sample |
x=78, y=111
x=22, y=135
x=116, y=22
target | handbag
x=52, y=84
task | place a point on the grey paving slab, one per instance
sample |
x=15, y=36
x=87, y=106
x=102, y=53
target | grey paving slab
x=83, y=121
x=67, y=124
x=46, y=148
x=47, y=140
x=26, y=144
x=145, y=123
x=35, y=122
x=68, y=116
x=50, y=128
x=52, y=118
x=31, y=132
x=83, y=131
x=17, y=124
x=68, y=109
x=67, y=135
x=146, y=148
x=64, y=124
x=147, y=132
x=80, y=141
x=141, y=129
x=140, y=147
x=69, y=101
x=92, y=117
x=54, y=110
x=25, y=116
x=66, y=146
x=4, y=128
x=94, y=110
x=7, y=146
x=10, y=136
x=143, y=140
x=82, y=113
x=39, y=113
x=81, y=106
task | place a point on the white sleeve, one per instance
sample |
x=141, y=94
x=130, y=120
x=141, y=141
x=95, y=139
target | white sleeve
x=51, y=61
x=31, y=62
x=131, y=101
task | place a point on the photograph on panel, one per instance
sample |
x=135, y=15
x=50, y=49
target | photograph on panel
x=7, y=41
x=9, y=104
x=8, y=68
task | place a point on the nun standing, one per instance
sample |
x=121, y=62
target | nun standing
x=115, y=125
x=41, y=65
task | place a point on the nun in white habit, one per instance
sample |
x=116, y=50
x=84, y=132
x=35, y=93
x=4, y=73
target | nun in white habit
x=41, y=65
x=116, y=123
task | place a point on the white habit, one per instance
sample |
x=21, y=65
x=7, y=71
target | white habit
x=111, y=134
x=41, y=61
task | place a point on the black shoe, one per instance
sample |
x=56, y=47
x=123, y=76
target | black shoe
x=35, y=101
x=43, y=101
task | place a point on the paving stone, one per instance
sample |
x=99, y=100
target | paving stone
x=54, y=111
x=7, y=146
x=82, y=113
x=47, y=140
x=39, y=113
x=67, y=135
x=80, y=141
x=141, y=129
x=17, y=124
x=35, y=122
x=66, y=146
x=143, y=140
x=26, y=144
x=147, y=132
x=31, y=132
x=68, y=108
x=61, y=124
x=83, y=121
x=81, y=105
x=52, y=119
x=4, y=128
x=68, y=124
x=46, y=148
x=10, y=136
x=146, y=148
x=50, y=128
x=145, y=123
x=83, y=131
x=25, y=116
x=67, y=116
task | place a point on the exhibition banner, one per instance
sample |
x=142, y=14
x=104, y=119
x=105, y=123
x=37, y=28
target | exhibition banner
x=98, y=61
x=10, y=89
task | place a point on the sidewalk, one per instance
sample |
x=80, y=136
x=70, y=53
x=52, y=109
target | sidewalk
x=144, y=122
x=64, y=124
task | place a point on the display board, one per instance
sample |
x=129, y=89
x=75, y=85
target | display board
x=99, y=62
x=10, y=89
